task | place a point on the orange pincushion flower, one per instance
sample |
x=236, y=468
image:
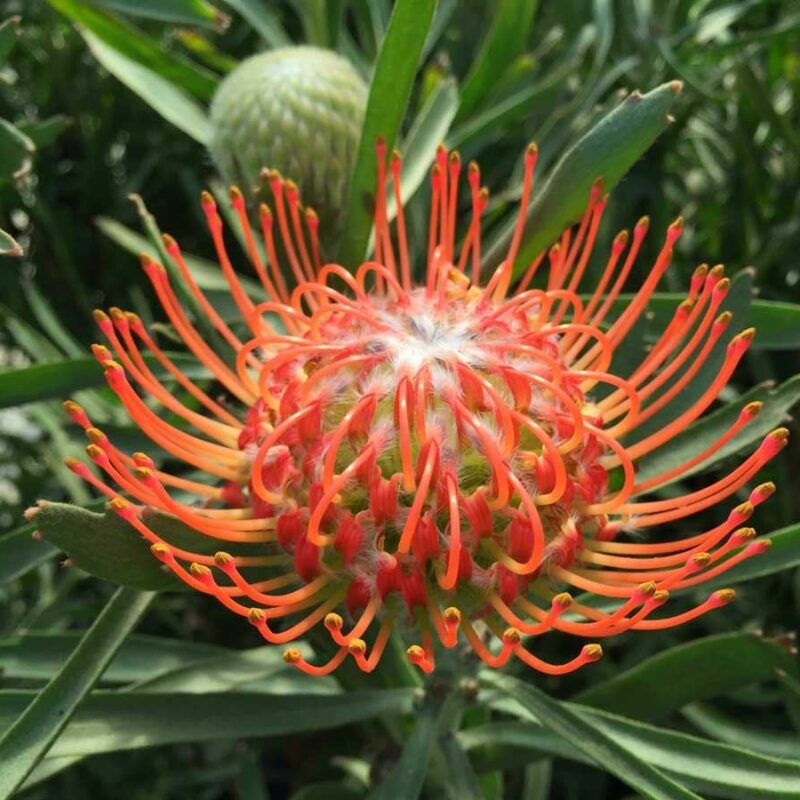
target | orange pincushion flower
x=426, y=455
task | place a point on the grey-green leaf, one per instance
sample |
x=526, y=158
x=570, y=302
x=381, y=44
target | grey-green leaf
x=695, y=670
x=263, y=20
x=589, y=738
x=701, y=434
x=507, y=36
x=405, y=780
x=191, y=12
x=167, y=99
x=208, y=274
x=106, y=546
x=32, y=734
x=607, y=151
x=716, y=769
x=133, y=45
x=427, y=132
x=39, y=656
x=783, y=554
x=59, y=379
x=108, y=722
x=725, y=728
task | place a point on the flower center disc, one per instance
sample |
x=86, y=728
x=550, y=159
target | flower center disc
x=393, y=421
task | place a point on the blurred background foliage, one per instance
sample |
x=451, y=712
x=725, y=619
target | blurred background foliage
x=494, y=76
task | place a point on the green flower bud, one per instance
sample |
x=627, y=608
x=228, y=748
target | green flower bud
x=298, y=110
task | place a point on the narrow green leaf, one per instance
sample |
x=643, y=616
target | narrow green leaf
x=263, y=20
x=190, y=12
x=690, y=77
x=39, y=656
x=777, y=323
x=462, y=781
x=133, y=47
x=538, y=779
x=259, y=669
x=790, y=685
x=204, y=50
x=108, y=722
x=47, y=768
x=59, y=379
x=30, y=736
x=250, y=782
x=718, y=21
x=46, y=381
x=427, y=132
x=441, y=22
x=505, y=39
x=407, y=776
x=607, y=151
x=389, y=93
x=44, y=132
x=696, y=670
x=208, y=274
x=586, y=736
x=500, y=115
x=317, y=24
x=49, y=321
x=701, y=434
x=163, y=96
x=16, y=151
x=30, y=339
x=784, y=554
x=717, y=769
x=714, y=723
x=737, y=302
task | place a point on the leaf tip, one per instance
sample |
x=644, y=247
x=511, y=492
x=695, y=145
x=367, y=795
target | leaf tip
x=221, y=21
x=30, y=513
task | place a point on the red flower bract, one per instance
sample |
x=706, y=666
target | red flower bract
x=443, y=456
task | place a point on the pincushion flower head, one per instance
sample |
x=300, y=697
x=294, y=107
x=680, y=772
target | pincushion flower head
x=440, y=449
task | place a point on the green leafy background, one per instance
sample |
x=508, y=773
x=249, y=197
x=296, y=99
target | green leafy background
x=109, y=692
